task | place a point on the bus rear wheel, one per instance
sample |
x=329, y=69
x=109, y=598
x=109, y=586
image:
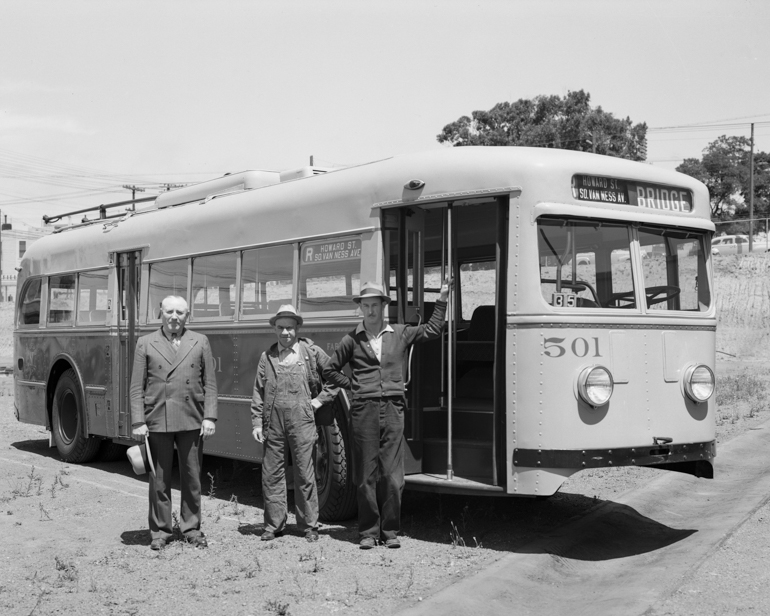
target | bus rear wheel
x=68, y=420
x=334, y=472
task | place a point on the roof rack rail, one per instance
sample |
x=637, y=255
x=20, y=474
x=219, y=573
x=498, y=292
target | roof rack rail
x=102, y=209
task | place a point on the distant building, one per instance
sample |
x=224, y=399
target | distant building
x=14, y=241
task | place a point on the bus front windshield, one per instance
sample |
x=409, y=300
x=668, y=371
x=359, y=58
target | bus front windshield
x=588, y=264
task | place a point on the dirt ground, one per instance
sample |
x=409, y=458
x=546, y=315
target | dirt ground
x=74, y=539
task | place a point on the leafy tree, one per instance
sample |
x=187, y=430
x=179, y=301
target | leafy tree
x=724, y=169
x=569, y=123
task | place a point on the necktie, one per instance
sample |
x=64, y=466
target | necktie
x=175, y=341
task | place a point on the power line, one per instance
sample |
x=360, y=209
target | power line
x=685, y=128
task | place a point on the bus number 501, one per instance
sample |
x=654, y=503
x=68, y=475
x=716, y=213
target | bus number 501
x=580, y=347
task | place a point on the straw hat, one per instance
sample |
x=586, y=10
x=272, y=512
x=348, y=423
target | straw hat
x=141, y=458
x=372, y=289
x=287, y=310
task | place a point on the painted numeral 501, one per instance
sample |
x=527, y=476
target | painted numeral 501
x=580, y=347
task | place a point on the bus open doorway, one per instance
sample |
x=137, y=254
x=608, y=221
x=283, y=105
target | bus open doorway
x=454, y=422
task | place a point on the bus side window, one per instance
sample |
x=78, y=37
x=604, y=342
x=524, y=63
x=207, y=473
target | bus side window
x=61, y=299
x=166, y=278
x=266, y=279
x=213, y=286
x=329, y=274
x=92, y=297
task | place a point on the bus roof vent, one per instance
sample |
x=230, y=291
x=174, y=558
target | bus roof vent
x=230, y=183
x=301, y=172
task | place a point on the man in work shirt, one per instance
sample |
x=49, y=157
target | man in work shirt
x=288, y=390
x=174, y=402
x=375, y=351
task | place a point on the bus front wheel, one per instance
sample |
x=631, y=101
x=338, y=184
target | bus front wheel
x=68, y=420
x=334, y=471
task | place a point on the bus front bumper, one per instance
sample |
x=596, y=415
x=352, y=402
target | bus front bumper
x=691, y=458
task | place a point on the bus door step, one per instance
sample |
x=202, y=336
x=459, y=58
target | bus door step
x=470, y=459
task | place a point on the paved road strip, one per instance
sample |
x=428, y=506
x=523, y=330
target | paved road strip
x=625, y=555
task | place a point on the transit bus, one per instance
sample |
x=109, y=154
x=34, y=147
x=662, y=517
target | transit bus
x=580, y=331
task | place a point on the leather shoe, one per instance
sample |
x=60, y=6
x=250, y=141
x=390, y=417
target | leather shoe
x=311, y=534
x=269, y=535
x=158, y=544
x=393, y=543
x=197, y=541
x=367, y=543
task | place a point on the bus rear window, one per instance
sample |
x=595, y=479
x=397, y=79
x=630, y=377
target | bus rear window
x=29, y=310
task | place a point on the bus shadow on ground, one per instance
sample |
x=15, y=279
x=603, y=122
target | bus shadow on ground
x=610, y=532
x=566, y=525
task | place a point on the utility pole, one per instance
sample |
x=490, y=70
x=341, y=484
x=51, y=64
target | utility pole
x=134, y=189
x=168, y=187
x=751, y=192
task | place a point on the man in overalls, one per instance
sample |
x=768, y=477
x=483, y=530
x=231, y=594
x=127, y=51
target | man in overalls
x=288, y=390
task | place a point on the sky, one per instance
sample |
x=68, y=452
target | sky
x=95, y=95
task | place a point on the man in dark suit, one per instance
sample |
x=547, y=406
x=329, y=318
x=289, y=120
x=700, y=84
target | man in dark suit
x=174, y=401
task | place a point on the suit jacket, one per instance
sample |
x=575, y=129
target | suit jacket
x=173, y=390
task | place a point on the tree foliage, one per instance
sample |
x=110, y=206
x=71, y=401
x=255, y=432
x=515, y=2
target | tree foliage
x=568, y=123
x=724, y=169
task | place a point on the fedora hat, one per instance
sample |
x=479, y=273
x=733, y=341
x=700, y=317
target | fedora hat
x=141, y=458
x=289, y=311
x=372, y=289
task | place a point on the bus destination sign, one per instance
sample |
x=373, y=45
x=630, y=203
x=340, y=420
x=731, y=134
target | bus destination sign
x=326, y=252
x=629, y=192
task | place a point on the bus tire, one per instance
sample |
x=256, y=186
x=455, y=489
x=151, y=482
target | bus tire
x=67, y=424
x=334, y=471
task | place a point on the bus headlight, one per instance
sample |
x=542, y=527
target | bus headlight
x=595, y=385
x=699, y=382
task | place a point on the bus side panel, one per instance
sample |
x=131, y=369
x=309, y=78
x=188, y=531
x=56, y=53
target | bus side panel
x=30, y=404
x=89, y=354
x=30, y=392
x=236, y=354
x=233, y=437
x=648, y=401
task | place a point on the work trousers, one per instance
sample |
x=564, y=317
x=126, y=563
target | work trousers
x=378, y=428
x=189, y=445
x=291, y=424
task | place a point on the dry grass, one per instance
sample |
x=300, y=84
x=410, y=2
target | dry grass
x=742, y=290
